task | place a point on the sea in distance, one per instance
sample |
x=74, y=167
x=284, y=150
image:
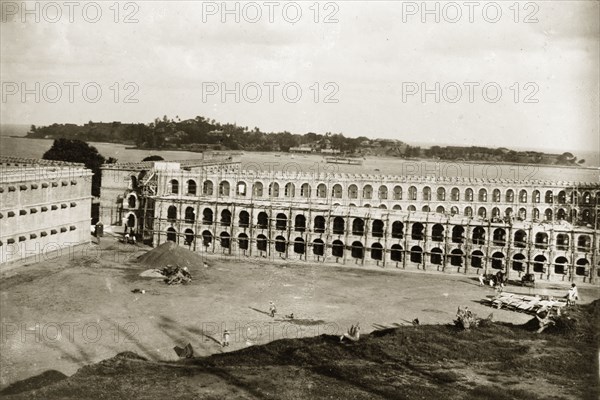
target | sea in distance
x=314, y=164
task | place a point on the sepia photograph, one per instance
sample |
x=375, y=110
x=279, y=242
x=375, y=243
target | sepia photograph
x=312, y=199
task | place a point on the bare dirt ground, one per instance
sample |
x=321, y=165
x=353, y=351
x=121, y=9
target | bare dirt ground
x=75, y=310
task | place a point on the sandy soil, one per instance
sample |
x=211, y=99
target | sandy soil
x=79, y=309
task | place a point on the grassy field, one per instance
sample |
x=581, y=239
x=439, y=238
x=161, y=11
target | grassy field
x=76, y=314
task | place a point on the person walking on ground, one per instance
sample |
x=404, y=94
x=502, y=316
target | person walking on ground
x=572, y=295
x=481, y=280
x=272, y=309
x=225, y=338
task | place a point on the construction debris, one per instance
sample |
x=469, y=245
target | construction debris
x=184, y=352
x=176, y=275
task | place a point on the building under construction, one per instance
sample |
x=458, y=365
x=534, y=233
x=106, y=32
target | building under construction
x=450, y=225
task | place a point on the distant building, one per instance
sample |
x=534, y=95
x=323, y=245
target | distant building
x=45, y=208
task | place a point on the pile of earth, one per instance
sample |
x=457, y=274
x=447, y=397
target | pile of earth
x=497, y=361
x=169, y=253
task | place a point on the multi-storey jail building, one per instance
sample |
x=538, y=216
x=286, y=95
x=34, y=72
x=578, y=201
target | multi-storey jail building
x=419, y=223
x=45, y=208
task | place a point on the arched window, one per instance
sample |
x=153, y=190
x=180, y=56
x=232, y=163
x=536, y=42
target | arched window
x=207, y=188
x=437, y=256
x=190, y=216
x=261, y=242
x=522, y=214
x=131, y=221
x=280, y=244
x=131, y=201
x=172, y=213
x=510, y=196
x=274, y=189
x=300, y=223
x=337, y=248
x=458, y=234
x=225, y=240
x=396, y=253
x=412, y=193
x=561, y=214
x=437, y=233
x=541, y=240
x=318, y=247
x=417, y=231
x=192, y=187
x=539, y=264
x=482, y=212
x=584, y=243
x=377, y=251
x=224, y=188
x=299, y=247
x=240, y=188
x=454, y=210
x=206, y=238
x=338, y=226
x=496, y=195
x=426, y=193
x=482, y=195
x=548, y=214
x=440, y=210
x=244, y=220
x=469, y=194
x=562, y=197
x=319, y=224
x=478, y=236
x=456, y=258
x=549, y=197
x=289, y=190
x=207, y=216
x=377, y=228
x=383, y=192
x=262, y=220
x=586, y=198
x=353, y=191
x=518, y=263
x=133, y=182
x=258, y=189
x=560, y=265
x=425, y=208
x=189, y=237
x=397, y=230
x=535, y=214
x=225, y=217
x=281, y=222
x=412, y=208
x=495, y=213
x=305, y=190
x=174, y=186
x=336, y=192
x=499, y=237
x=243, y=241
x=171, y=234
x=358, y=251
x=321, y=190
x=498, y=260
x=358, y=227
x=581, y=268
x=536, y=196
x=416, y=254
x=367, y=192
x=397, y=192
x=468, y=211
x=441, y=194
x=455, y=194
x=562, y=241
x=520, y=239
x=523, y=196
x=476, y=259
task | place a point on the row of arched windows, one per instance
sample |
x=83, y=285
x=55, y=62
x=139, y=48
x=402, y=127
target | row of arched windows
x=383, y=192
x=357, y=250
x=378, y=229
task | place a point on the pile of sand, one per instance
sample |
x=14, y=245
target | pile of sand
x=170, y=253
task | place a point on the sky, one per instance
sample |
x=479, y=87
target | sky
x=502, y=74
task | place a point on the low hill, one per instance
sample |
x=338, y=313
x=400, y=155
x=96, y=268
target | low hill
x=494, y=361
